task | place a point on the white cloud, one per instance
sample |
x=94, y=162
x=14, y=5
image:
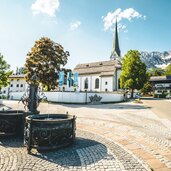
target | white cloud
x=129, y=14
x=121, y=26
x=75, y=25
x=48, y=7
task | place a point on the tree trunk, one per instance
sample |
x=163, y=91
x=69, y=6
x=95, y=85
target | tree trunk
x=48, y=88
x=132, y=93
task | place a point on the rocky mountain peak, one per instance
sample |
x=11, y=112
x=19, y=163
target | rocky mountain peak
x=156, y=59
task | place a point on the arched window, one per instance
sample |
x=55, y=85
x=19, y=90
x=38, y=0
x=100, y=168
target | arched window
x=86, y=83
x=97, y=83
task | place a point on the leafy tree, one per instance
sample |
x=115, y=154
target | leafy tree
x=44, y=61
x=4, y=72
x=22, y=70
x=155, y=72
x=147, y=88
x=133, y=74
x=168, y=70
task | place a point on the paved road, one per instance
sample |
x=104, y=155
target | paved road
x=132, y=130
x=160, y=107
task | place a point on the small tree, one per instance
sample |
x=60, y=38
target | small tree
x=133, y=74
x=44, y=61
x=4, y=72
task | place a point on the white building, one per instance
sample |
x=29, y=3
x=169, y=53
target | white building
x=99, y=76
x=102, y=76
x=17, y=83
x=161, y=84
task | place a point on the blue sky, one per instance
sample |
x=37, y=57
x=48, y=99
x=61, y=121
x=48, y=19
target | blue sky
x=83, y=27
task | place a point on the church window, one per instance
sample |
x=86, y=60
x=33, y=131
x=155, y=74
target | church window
x=97, y=83
x=106, y=89
x=86, y=83
x=106, y=83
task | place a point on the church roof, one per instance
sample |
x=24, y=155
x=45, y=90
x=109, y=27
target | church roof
x=116, y=49
x=103, y=68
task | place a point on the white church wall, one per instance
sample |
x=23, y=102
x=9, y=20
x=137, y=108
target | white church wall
x=91, y=83
x=65, y=97
x=94, y=77
x=108, y=97
x=118, y=77
x=107, y=84
x=73, y=97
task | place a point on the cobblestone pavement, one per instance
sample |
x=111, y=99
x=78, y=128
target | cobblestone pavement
x=89, y=152
x=131, y=128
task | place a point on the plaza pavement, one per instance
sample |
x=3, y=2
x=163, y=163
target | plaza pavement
x=124, y=136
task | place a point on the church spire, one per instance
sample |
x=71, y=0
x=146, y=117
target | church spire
x=116, y=50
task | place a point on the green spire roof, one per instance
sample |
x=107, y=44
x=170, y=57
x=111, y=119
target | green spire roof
x=116, y=49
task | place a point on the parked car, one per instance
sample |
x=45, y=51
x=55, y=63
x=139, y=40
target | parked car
x=137, y=95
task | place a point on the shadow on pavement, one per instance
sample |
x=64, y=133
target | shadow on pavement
x=151, y=98
x=11, y=141
x=88, y=150
x=70, y=156
x=107, y=106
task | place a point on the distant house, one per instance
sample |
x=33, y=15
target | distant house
x=101, y=76
x=161, y=84
x=17, y=83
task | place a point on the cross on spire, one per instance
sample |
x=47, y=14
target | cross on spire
x=116, y=50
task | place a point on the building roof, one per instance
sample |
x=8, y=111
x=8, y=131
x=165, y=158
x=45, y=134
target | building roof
x=116, y=49
x=160, y=78
x=101, y=67
x=17, y=76
x=103, y=74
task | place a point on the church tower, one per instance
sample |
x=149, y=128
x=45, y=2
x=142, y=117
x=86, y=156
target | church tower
x=116, y=53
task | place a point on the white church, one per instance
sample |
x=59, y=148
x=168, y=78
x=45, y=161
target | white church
x=102, y=76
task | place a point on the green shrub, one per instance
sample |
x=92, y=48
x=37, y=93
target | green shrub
x=163, y=95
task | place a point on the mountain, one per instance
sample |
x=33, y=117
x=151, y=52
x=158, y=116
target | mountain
x=156, y=59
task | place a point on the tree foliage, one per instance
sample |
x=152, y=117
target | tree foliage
x=44, y=61
x=155, y=72
x=147, y=88
x=21, y=70
x=133, y=74
x=168, y=70
x=4, y=72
